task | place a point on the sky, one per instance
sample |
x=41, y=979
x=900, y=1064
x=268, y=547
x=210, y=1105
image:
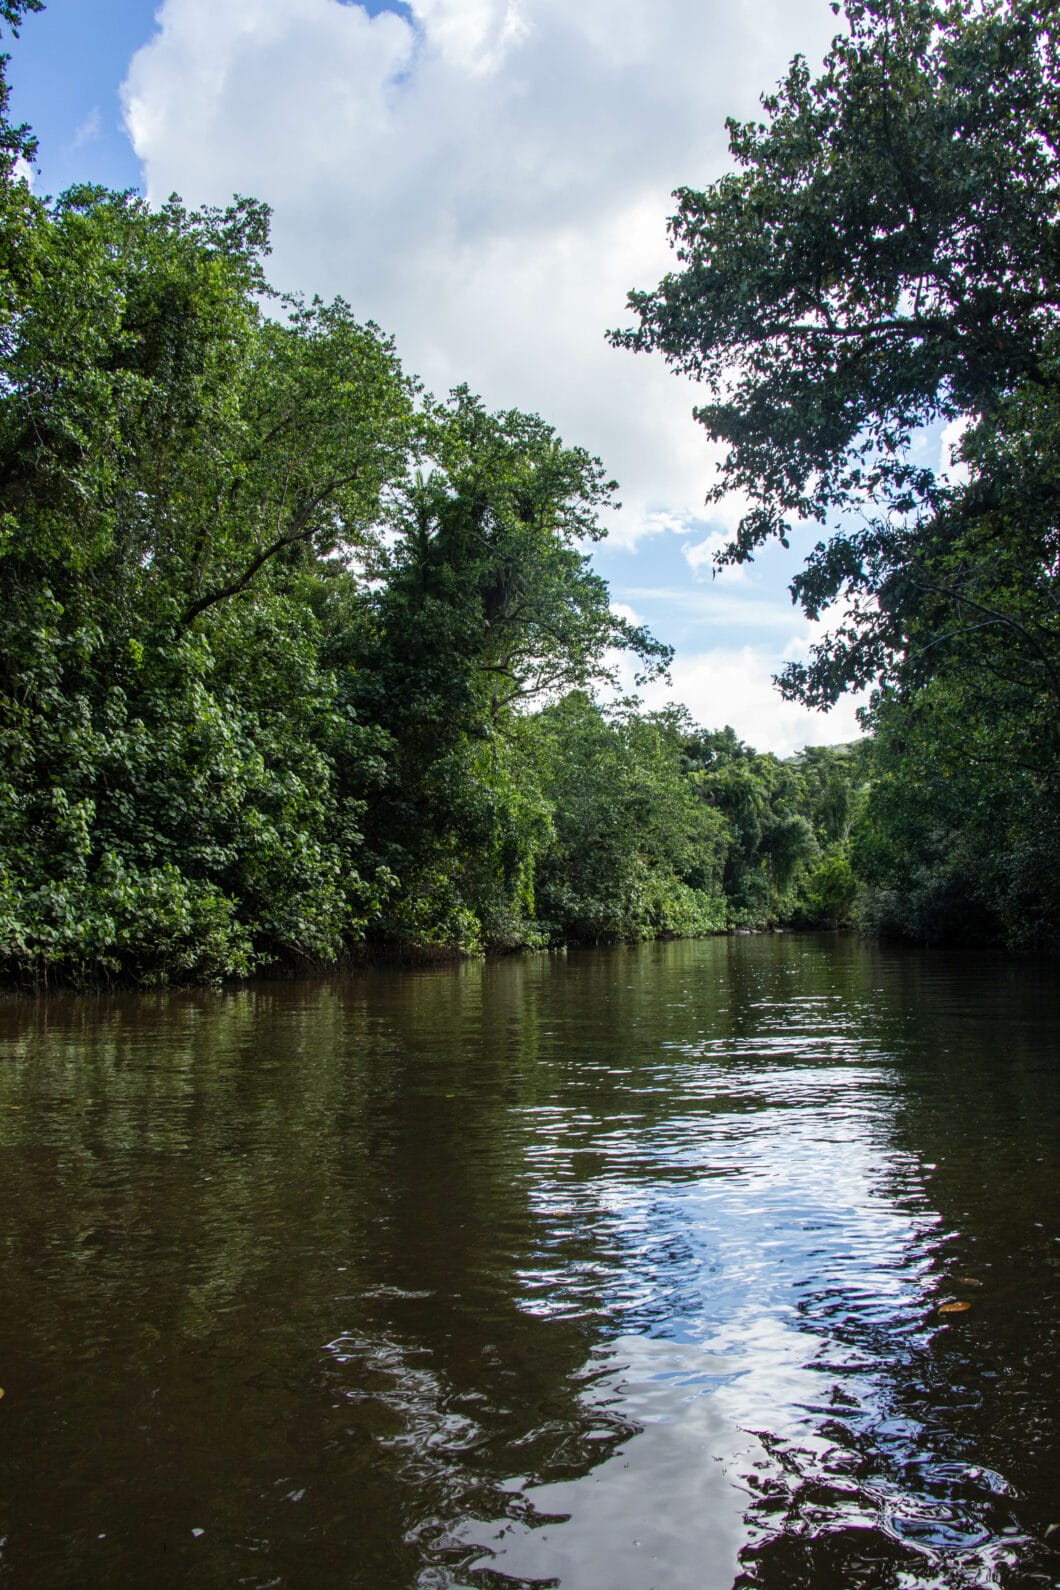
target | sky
x=485, y=179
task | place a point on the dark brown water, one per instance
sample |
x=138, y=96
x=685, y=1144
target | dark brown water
x=622, y=1270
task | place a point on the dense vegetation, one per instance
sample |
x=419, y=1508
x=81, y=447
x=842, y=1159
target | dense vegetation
x=294, y=658
x=885, y=257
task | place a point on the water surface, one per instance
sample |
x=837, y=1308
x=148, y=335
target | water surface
x=619, y=1270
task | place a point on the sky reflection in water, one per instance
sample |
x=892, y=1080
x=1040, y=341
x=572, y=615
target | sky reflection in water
x=618, y=1271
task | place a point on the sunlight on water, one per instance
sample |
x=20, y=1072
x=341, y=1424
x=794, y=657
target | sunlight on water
x=780, y=1256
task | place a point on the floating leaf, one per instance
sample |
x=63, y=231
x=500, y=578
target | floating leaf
x=953, y=1308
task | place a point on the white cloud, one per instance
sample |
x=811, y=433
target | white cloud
x=700, y=556
x=474, y=35
x=89, y=129
x=659, y=521
x=487, y=184
x=732, y=683
x=735, y=686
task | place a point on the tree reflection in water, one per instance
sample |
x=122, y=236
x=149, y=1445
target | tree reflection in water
x=618, y=1268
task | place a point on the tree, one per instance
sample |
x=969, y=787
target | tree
x=770, y=837
x=154, y=421
x=17, y=205
x=183, y=486
x=486, y=605
x=634, y=851
x=16, y=142
x=885, y=255
x=959, y=838
x=490, y=558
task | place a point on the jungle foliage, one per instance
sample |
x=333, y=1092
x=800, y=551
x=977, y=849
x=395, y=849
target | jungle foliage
x=885, y=257
x=294, y=658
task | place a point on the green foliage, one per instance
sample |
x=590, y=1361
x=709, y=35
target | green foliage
x=771, y=837
x=486, y=604
x=884, y=255
x=960, y=836
x=17, y=205
x=489, y=569
x=263, y=684
x=887, y=255
x=635, y=852
x=291, y=657
x=185, y=776
x=831, y=890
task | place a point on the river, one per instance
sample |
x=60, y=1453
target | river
x=688, y=1266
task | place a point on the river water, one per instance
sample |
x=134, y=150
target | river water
x=682, y=1267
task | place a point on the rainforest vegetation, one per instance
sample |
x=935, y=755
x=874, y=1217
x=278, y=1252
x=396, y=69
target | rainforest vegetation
x=884, y=260
x=296, y=659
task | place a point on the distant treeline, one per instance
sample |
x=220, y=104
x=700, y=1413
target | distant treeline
x=294, y=659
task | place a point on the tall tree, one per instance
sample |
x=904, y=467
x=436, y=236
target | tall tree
x=486, y=606
x=634, y=850
x=887, y=254
x=491, y=546
x=884, y=257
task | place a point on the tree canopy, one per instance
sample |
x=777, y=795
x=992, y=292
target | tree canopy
x=291, y=655
x=294, y=657
x=886, y=254
x=884, y=260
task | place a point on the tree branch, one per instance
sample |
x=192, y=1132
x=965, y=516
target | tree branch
x=301, y=531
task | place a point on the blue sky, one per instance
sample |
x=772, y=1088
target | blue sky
x=67, y=67
x=486, y=179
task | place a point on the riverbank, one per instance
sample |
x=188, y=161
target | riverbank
x=290, y=968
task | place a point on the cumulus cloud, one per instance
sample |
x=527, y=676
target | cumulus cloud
x=731, y=682
x=486, y=180
x=734, y=685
